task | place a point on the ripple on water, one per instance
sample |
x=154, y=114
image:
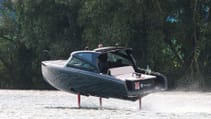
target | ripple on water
x=56, y=104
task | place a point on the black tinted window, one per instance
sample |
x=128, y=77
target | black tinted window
x=119, y=58
x=78, y=63
x=86, y=56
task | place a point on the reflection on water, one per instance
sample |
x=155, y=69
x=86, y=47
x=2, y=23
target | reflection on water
x=56, y=104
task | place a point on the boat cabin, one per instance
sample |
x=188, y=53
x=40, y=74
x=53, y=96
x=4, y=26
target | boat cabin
x=102, y=59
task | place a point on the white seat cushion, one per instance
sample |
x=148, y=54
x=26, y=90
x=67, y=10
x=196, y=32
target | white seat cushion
x=128, y=73
x=121, y=70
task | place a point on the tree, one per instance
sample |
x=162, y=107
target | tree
x=52, y=30
x=170, y=36
x=14, y=56
x=30, y=31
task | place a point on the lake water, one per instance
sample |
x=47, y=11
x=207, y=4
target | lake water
x=18, y=104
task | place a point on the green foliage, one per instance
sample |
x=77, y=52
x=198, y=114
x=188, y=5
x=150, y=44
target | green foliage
x=36, y=30
x=106, y=22
x=51, y=29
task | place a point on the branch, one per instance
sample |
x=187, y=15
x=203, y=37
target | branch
x=8, y=68
x=159, y=9
x=6, y=38
x=5, y=63
x=176, y=53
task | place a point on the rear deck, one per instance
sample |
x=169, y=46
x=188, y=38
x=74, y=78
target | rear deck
x=60, y=63
x=128, y=73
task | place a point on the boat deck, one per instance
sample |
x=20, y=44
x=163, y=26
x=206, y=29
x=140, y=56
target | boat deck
x=55, y=62
x=128, y=73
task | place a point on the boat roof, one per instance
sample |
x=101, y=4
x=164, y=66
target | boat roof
x=110, y=49
x=102, y=50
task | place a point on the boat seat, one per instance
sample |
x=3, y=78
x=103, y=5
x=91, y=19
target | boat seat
x=121, y=70
x=128, y=73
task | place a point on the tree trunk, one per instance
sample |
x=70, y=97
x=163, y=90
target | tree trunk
x=193, y=74
x=24, y=59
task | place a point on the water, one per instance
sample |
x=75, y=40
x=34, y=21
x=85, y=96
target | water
x=16, y=104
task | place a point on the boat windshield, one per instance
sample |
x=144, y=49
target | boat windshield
x=118, y=59
x=113, y=59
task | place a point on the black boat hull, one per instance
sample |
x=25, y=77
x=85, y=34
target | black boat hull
x=87, y=83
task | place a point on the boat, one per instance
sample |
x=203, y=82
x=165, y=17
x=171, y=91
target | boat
x=107, y=72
